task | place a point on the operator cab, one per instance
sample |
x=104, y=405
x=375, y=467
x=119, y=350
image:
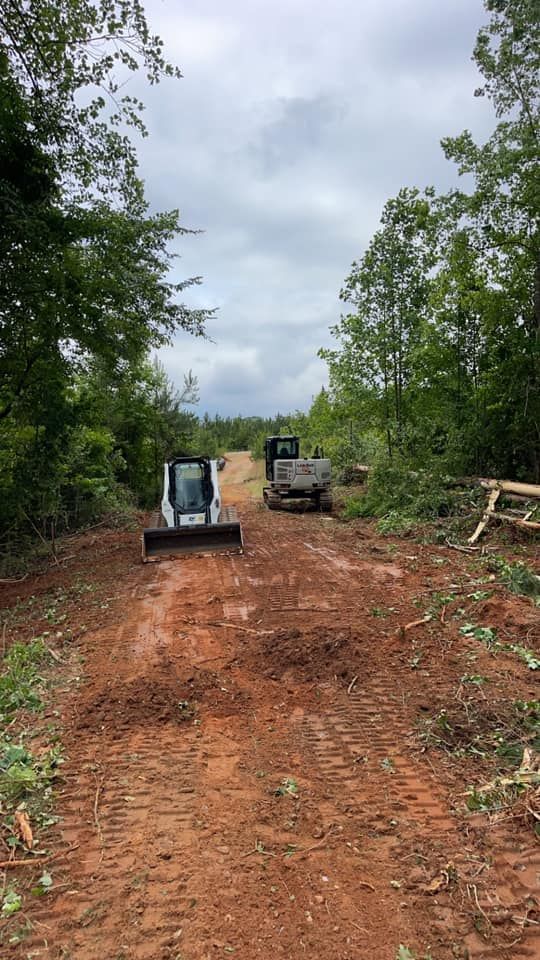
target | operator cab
x=190, y=486
x=280, y=448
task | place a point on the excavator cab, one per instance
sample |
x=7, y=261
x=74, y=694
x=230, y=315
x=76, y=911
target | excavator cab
x=280, y=448
x=192, y=519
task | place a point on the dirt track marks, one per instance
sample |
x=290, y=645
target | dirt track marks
x=167, y=814
x=130, y=810
x=364, y=736
x=512, y=898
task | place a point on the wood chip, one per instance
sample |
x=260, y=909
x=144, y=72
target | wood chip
x=22, y=822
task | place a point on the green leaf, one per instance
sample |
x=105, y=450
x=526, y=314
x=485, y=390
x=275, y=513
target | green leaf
x=45, y=880
x=11, y=903
x=405, y=954
x=288, y=787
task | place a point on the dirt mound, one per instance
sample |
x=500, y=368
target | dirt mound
x=150, y=700
x=140, y=701
x=315, y=653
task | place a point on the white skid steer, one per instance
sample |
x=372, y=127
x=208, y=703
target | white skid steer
x=192, y=519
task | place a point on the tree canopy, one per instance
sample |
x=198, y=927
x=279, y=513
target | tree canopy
x=85, y=268
x=440, y=349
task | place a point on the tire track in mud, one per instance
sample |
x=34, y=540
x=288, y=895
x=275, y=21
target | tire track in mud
x=178, y=816
x=361, y=736
x=515, y=895
x=130, y=800
x=135, y=815
x=365, y=729
x=353, y=742
x=284, y=595
x=360, y=740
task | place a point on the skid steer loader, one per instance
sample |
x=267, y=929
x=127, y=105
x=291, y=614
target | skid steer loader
x=292, y=478
x=192, y=519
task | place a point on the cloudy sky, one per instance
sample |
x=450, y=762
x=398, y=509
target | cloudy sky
x=295, y=121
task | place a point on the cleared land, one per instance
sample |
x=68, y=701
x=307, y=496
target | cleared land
x=261, y=763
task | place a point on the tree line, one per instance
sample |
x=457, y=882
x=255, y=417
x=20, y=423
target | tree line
x=436, y=360
x=436, y=363
x=84, y=290
x=435, y=370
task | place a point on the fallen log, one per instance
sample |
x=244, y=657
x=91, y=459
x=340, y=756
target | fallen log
x=528, y=490
x=512, y=489
x=519, y=521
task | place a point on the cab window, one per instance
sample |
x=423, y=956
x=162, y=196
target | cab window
x=189, y=488
x=286, y=449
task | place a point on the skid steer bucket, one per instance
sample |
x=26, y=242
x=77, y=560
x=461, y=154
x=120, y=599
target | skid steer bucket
x=204, y=538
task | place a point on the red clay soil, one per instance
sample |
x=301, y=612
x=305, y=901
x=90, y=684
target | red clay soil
x=245, y=774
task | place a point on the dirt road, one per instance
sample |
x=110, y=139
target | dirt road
x=245, y=775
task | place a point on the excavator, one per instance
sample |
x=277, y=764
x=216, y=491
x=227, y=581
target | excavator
x=192, y=518
x=294, y=478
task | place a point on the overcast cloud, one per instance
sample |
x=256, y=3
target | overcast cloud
x=295, y=121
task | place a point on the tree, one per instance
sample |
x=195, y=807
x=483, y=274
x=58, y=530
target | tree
x=388, y=290
x=441, y=350
x=71, y=58
x=83, y=265
x=172, y=428
x=502, y=218
x=146, y=416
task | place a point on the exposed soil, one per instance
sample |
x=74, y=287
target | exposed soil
x=251, y=768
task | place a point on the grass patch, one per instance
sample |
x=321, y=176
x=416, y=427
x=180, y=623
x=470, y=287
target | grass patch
x=21, y=680
x=27, y=776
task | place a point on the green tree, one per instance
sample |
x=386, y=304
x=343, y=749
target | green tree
x=71, y=59
x=83, y=265
x=441, y=351
x=147, y=418
x=502, y=217
x=388, y=290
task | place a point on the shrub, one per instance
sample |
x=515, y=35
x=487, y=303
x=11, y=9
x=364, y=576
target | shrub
x=401, y=495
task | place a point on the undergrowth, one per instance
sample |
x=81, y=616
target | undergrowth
x=517, y=577
x=502, y=735
x=488, y=636
x=21, y=678
x=402, y=497
x=495, y=731
x=27, y=776
x=24, y=550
